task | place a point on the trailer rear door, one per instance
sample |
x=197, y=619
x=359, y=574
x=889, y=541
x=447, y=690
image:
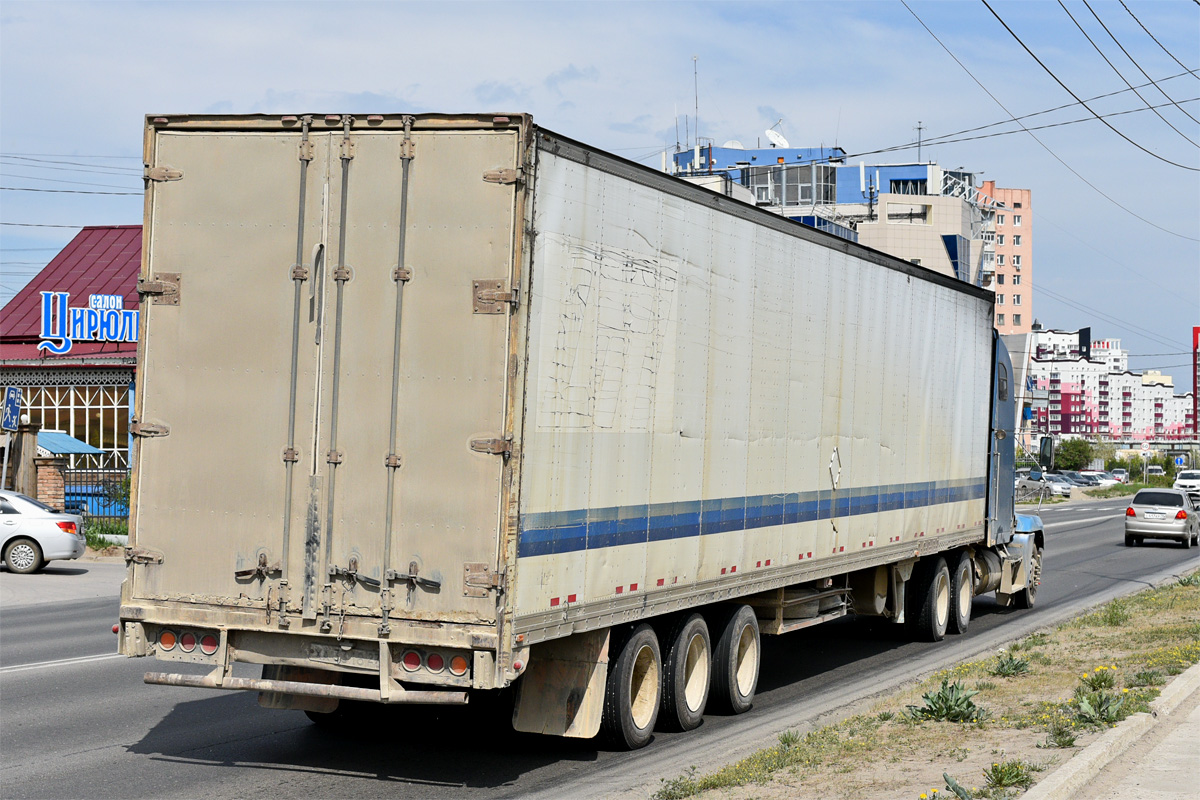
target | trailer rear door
x=265, y=381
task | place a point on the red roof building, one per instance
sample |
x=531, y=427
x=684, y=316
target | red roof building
x=68, y=339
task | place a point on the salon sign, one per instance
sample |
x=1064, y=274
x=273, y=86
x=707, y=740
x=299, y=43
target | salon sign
x=104, y=319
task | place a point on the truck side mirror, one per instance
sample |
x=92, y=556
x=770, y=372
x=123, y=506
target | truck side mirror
x=1046, y=453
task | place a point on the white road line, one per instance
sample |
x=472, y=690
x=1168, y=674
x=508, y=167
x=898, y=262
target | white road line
x=1081, y=521
x=62, y=662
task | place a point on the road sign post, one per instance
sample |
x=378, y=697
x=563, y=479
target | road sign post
x=10, y=418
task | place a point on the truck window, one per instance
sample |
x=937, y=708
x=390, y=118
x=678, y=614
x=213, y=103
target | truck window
x=1002, y=381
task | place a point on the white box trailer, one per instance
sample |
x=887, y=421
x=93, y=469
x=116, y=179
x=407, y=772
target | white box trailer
x=430, y=405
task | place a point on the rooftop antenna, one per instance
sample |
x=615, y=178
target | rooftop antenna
x=696, y=92
x=775, y=137
x=920, y=127
x=677, y=127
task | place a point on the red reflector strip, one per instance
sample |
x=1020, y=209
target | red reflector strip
x=768, y=562
x=620, y=589
x=633, y=587
x=661, y=581
x=757, y=564
x=733, y=568
x=723, y=570
x=570, y=598
x=553, y=601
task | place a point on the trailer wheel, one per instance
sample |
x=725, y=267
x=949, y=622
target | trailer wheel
x=928, y=613
x=736, y=659
x=1028, y=596
x=633, y=690
x=687, y=667
x=962, y=593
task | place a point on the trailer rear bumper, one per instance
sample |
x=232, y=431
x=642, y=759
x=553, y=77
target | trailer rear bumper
x=306, y=689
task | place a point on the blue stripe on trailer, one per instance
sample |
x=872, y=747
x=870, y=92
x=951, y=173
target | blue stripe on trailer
x=549, y=532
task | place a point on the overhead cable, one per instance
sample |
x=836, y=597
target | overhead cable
x=1082, y=102
x=1056, y=157
x=1157, y=42
x=1113, y=66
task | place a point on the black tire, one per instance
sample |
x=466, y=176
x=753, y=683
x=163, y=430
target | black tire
x=736, y=659
x=962, y=593
x=23, y=556
x=1128, y=540
x=1028, y=596
x=633, y=691
x=928, y=600
x=687, y=674
x=1187, y=542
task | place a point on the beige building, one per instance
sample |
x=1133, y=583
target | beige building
x=914, y=227
x=1012, y=233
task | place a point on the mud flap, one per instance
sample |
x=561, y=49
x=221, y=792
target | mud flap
x=562, y=691
x=295, y=702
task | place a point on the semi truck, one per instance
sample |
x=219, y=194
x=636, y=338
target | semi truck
x=435, y=405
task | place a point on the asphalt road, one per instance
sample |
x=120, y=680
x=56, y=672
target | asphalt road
x=77, y=722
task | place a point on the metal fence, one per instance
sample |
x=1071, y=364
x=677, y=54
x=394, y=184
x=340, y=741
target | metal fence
x=96, y=492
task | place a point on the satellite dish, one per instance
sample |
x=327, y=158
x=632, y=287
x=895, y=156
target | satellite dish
x=776, y=138
x=734, y=144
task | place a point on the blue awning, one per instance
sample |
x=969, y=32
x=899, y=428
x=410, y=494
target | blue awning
x=57, y=443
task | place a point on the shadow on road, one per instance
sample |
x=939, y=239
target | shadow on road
x=442, y=746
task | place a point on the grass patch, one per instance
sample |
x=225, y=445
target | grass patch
x=1134, y=645
x=97, y=531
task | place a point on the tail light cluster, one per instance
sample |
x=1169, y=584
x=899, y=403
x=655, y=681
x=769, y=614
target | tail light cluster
x=433, y=661
x=1181, y=514
x=1129, y=512
x=69, y=527
x=188, y=641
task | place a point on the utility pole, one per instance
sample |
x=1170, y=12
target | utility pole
x=696, y=91
x=920, y=128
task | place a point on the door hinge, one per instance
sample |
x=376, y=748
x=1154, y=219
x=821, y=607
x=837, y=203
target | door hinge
x=489, y=297
x=142, y=555
x=163, y=174
x=163, y=289
x=479, y=579
x=148, y=430
x=495, y=447
x=502, y=176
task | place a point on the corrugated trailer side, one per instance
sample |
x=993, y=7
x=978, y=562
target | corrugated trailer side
x=720, y=401
x=734, y=424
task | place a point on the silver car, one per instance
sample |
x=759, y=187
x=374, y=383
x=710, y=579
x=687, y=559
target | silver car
x=1162, y=514
x=34, y=533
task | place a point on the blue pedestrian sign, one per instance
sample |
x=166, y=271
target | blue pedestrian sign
x=12, y=409
x=1179, y=461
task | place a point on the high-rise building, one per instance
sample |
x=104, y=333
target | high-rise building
x=1012, y=233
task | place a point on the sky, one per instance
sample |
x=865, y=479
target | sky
x=1116, y=224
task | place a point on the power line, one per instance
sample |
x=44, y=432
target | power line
x=1156, y=41
x=55, y=180
x=39, y=225
x=77, y=155
x=1128, y=326
x=1133, y=61
x=1066, y=88
x=74, y=163
x=61, y=191
x=1096, y=47
x=1039, y=141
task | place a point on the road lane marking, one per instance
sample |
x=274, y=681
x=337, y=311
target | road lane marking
x=62, y=662
x=1081, y=521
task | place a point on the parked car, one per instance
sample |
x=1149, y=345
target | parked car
x=1154, y=469
x=1103, y=478
x=1162, y=514
x=1076, y=479
x=1120, y=474
x=1189, y=481
x=1054, y=484
x=35, y=533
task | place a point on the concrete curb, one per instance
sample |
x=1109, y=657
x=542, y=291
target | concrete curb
x=1067, y=780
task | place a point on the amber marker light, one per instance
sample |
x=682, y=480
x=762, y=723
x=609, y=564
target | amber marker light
x=166, y=639
x=458, y=665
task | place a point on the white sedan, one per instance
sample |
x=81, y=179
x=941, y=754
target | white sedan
x=34, y=533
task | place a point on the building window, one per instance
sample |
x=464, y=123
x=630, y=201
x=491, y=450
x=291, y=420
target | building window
x=910, y=186
x=1000, y=279
x=916, y=261
x=1016, y=281
x=1000, y=319
x=1016, y=205
x=1000, y=239
x=1016, y=319
x=98, y=415
x=999, y=299
x=1017, y=240
x=1016, y=219
x=909, y=214
x=1016, y=261
x=1016, y=299
x=999, y=219
x=1000, y=259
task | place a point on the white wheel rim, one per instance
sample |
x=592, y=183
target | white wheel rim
x=643, y=687
x=747, y=661
x=21, y=556
x=942, y=599
x=965, y=592
x=695, y=673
